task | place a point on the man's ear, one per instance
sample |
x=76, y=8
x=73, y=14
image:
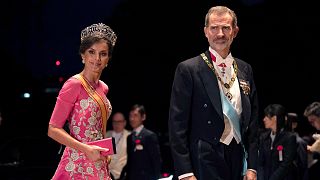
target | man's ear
x=236, y=30
x=205, y=31
x=144, y=117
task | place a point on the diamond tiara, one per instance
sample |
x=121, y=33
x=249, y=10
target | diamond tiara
x=99, y=30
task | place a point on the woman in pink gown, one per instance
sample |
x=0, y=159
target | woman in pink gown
x=82, y=102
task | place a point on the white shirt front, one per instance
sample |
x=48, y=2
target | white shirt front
x=234, y=90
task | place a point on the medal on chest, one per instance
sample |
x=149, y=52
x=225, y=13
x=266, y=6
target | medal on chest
x=138, y=145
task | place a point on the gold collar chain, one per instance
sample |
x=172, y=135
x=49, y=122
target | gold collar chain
x=233, y=78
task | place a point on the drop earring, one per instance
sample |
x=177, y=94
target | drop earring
x=82, y=61
x=106, y=65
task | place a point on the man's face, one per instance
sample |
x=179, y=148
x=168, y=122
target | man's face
x=220, y=32
x=136, y=119
x=118, y=122
x=314, y=121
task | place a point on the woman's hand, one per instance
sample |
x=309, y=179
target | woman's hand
x=94, y=153
x=108, y=159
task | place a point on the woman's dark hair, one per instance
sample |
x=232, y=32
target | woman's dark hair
x=89, y=41
x=279, y=111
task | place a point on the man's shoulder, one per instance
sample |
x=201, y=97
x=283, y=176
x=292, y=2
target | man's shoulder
x=150, y=135
x=241, y=62
x=189, y=63
x=126, y=132
x=191, y=60
x=243, y=66
x=148, y=131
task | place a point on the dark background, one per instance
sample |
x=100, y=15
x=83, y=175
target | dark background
x=278, y=38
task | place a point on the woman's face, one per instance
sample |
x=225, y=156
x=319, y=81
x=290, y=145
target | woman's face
x=270, y=122
x=96, y=57
x=314, y=121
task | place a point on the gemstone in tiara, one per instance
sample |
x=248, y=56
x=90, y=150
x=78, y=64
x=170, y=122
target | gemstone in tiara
x=99, y=30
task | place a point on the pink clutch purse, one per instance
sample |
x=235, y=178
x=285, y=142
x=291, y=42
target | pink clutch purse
x=108, y=143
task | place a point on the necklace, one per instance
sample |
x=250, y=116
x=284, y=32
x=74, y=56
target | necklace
x=92, y=89
x=233, y=78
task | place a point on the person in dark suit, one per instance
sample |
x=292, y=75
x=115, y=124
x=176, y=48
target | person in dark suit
x=213, y=114
x=312, y=113
x=301, y=160
x=278, y=147
x=144, y=158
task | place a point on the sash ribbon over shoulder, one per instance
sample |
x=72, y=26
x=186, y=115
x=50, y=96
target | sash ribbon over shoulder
x=96, y=97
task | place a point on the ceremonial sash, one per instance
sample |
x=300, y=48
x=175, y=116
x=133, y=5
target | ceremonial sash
x=232, y=114
x=97, y=98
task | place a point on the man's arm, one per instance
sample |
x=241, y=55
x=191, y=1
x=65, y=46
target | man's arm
x=253, y=127
x=179, y=111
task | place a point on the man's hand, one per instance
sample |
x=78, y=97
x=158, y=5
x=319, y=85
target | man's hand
x=250, y=175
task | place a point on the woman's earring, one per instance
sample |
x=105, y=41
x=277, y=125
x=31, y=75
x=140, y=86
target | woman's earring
x=82, y=61
x=106, y=65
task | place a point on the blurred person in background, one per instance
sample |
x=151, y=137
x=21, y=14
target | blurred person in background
x=120, y=134
x=277, y=146
x=312, y=113
x=301, y=160
x=144, y=157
